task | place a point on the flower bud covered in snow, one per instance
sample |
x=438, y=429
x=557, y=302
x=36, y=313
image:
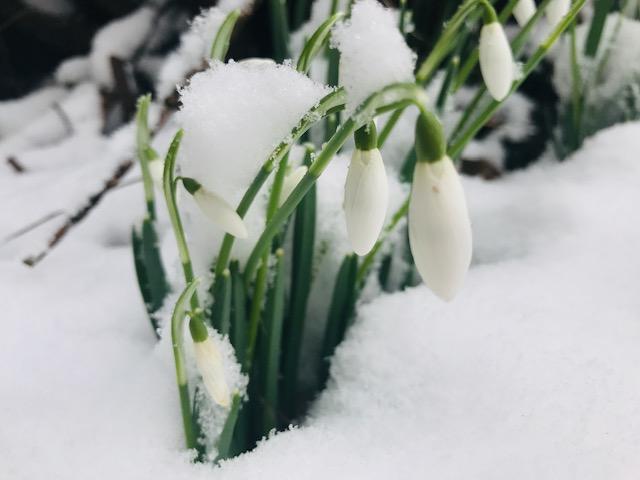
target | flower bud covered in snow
x=216, y=209
x=556, y=10
x=365, y=192
x=209, y=363
x=439, y=226
x=496, y=60
x=291, y=181
x=523, y=11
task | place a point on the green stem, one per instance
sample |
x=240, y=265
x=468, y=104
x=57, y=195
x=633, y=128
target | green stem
x=169, y=186
x=391, y=96
x=517, y=44
x=220, y=45
x=143, y=138
x=279, y=29
x=177, y=340
x=472, y=59
x=445, y=42
x=601, y=10
x=331, y=102
x=317, y=41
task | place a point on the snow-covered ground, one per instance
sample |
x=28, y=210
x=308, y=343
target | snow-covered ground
x=531, y=373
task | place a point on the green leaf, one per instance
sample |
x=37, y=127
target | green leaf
x=239, y=322
x=316, y=42
x=149, y=270
x=220, y=44
x=224, y=440
x=301, y=272
x=273, y=317
x=340, y=312
x=221, y=309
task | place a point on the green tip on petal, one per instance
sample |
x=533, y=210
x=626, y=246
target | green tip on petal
x=191, y=185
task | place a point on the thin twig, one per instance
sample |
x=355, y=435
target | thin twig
x=81, y=213
x=15, y=165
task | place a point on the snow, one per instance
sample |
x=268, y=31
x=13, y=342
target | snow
x=15, y=114
x=233, y=116
x=529, y=374
x=73, y=70
x=76, y=111
x=373, y=53
x=612, y=76
x=120, y=38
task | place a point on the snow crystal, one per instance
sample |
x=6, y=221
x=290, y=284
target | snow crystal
x=373, y=53
x=233, y=116
x=120, y=38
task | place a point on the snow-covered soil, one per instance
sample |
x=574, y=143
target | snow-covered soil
x=531, y=373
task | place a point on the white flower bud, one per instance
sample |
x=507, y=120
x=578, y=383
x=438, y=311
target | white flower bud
x=209, y=363
x=291, y=181
x=496, y=60
x=556, y=10
x=366, y=194
x=439, y=227
x=156, y=170
x=220, y=213
x=523, y=11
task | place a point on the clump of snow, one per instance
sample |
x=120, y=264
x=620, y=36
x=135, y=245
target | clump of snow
x=73, y=70
x=373, y=53
x=15, y=114
x=79, y=110
x=233, y=116
x=120, y=38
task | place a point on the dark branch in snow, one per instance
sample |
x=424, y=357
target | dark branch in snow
x=81, y=213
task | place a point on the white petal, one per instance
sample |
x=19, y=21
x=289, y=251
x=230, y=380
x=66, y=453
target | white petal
x=439, y=227
x=156, y=170
x=290, y=182
x=209, y=363
x=366, y=194
x=523, y=11
x=496, y=60
x=220, y=213
x=556, y=10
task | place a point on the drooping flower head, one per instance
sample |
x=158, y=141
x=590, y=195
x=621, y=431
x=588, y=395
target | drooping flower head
x=439, y=226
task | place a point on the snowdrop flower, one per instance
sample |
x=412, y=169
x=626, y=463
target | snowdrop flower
x=156, y=170
x=365, y=192
x=439, y=226
x=209, y=363
x=523, y=11
x=556, y=10
x=496, y=60
x=291, y=180
x=216, y=209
